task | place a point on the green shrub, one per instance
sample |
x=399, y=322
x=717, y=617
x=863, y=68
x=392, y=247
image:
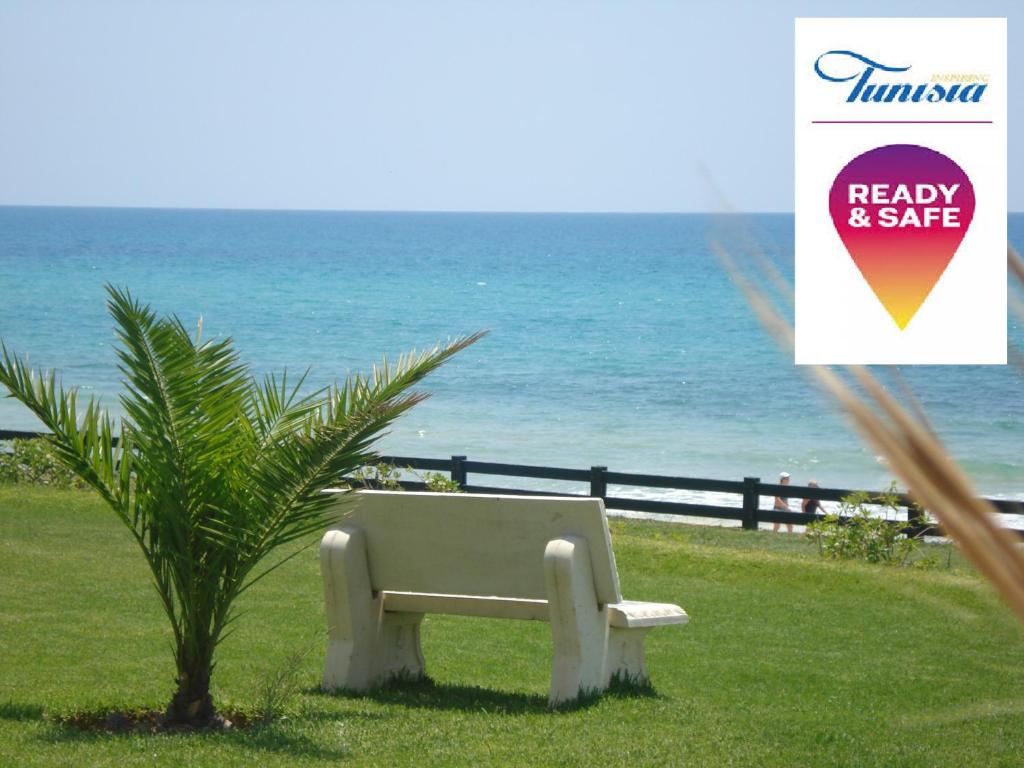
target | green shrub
x=280, y=685
x=34, y=461
x=388, y=477
x=440, y=483
x=855, y=533
x=378, y=477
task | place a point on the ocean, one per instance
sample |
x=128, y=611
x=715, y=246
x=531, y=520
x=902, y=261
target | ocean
x=615, y=340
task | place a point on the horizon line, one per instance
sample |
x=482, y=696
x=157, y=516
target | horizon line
x=376, y=210
x=409, y=210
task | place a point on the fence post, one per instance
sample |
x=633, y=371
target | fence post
x=751, y=500
x=598, y=482
x=459, y=470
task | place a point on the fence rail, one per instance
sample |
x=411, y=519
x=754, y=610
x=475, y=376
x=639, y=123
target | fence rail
x=597, y=479
x=750, y=490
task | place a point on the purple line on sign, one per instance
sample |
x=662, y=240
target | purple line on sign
x=901, y=122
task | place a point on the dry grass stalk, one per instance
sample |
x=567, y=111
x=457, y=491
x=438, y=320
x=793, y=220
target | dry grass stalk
x=912, y=449
x=1016, y=306
x=1016, y=357
x=1016, y=264
x=911, y=399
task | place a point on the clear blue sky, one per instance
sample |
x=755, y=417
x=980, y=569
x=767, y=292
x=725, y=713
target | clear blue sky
x=440, y=105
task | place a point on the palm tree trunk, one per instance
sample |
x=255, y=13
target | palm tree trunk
x=192, y=703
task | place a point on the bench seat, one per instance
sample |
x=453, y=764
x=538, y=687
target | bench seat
x=628, y=614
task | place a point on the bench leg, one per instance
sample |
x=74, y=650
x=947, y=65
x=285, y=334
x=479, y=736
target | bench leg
x=626, y=655
x=579, y=628
x=399, y=645
x=365, y=645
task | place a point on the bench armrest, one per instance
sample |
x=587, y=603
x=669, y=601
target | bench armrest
x=633, y=614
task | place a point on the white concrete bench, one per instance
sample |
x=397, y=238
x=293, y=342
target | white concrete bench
x=396, y=556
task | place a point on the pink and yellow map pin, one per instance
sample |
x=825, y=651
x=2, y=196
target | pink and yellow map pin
x=902, y=211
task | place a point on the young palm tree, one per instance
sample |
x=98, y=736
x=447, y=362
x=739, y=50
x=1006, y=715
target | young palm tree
x=213, y=470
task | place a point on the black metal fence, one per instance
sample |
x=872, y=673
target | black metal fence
x=596, y=480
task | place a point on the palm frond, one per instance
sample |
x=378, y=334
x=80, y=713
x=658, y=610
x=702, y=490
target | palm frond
x=213, y=470
x=85, y=445
x=338, y=437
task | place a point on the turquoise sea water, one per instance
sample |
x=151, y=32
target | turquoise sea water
x=614, y=339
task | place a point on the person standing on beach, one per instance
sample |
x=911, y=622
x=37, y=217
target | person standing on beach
x=782, y=504
x=811, y=506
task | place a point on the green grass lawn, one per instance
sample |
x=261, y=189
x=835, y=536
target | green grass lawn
x=788, y=660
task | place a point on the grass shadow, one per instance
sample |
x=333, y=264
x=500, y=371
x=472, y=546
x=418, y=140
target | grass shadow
x=311, y=715
x=263, y=738
x=278, y=737
x=423, y=692
x=625, y=687
x=20, y=712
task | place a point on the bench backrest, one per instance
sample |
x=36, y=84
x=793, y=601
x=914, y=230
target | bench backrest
x=476, y=544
